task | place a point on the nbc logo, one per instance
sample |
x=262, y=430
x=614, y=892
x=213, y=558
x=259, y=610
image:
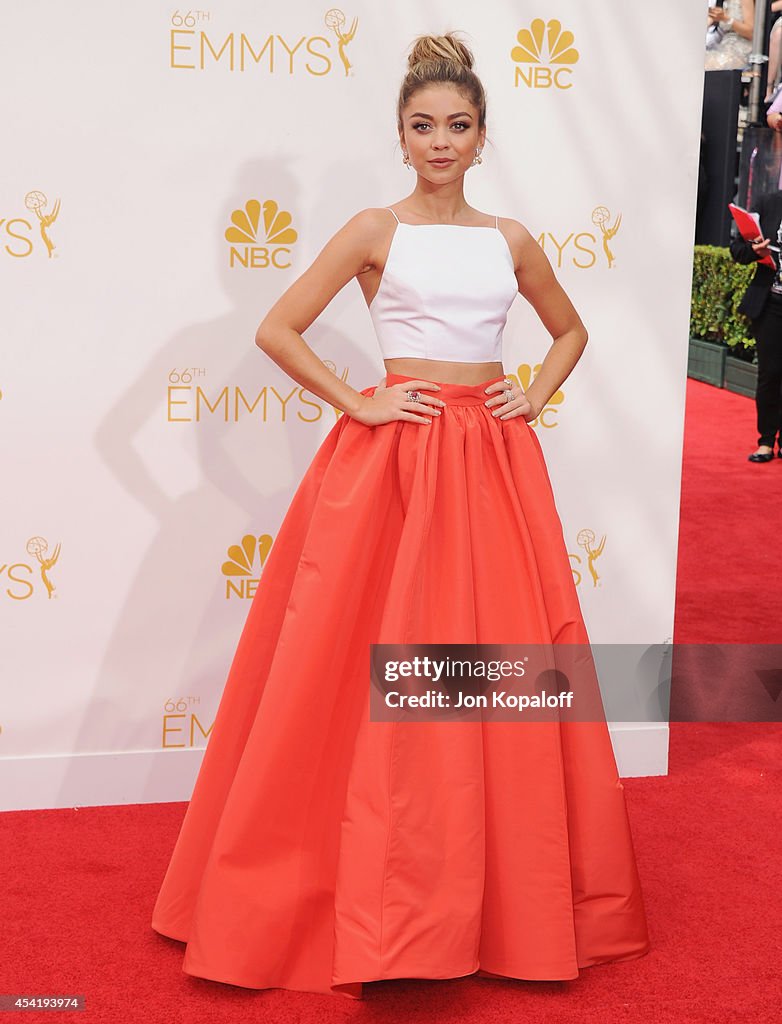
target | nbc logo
x=544, y=55
x=255, y=246
x=239, y=571
x=523, y=377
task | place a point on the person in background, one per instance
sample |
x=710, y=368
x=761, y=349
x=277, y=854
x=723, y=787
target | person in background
x=774, y=112
x=774, y=118
x=762, y=303
x=729, y=35
x=774, y=52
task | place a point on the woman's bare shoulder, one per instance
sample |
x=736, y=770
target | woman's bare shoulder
x=364, y=236
x=519, y=238
x=515, y=230
x=370, y=221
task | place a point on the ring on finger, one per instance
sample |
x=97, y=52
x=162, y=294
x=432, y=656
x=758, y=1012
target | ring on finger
x=414, y=396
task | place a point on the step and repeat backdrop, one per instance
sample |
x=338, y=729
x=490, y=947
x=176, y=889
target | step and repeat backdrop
x=167, y=173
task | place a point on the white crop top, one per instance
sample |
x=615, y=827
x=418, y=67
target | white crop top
x=445, y=293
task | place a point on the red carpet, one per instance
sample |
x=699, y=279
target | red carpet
x=729, y=574
x=78, y=886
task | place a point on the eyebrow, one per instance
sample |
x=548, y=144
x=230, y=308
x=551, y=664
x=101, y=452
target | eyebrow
x=461, y=113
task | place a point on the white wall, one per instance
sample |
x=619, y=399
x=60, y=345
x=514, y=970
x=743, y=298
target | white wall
x=144, y=143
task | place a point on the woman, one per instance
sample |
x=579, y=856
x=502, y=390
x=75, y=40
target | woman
x=774, y=51
x=320, y=849
x=762, y=303
x=729, y=35
x=774, y=114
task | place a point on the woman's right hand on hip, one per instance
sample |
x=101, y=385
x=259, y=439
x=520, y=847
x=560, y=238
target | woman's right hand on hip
x=391, y=403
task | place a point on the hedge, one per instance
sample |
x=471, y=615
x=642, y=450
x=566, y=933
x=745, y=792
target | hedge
x=718, y=284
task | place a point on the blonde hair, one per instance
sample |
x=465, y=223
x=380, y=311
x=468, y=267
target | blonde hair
x=441, y=59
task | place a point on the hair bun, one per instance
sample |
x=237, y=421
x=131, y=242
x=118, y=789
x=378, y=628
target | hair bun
x=439, y=49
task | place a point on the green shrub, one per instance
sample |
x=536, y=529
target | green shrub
x=718, y=284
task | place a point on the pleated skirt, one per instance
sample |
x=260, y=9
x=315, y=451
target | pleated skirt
x=320, y=849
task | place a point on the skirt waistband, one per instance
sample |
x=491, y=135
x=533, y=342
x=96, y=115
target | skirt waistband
x=453, y=394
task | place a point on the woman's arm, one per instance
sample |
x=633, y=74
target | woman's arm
x=279, y=335
x=746, y=26
x=540, y=287
x=743, y=251
x=773, y=119
x=742, y=27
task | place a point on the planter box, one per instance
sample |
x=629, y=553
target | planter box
x=741, y=376
x=709, y=361
x=706, y=361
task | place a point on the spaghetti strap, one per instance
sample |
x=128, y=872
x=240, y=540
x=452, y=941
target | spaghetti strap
x=397, y=219
x=496, y=222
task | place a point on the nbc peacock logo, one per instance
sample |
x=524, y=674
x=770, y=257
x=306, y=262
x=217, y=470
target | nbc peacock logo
x=259, y=245
x=245, y=562
x=523, y=377
x=544, y=55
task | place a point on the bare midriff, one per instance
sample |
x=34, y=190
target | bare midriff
x=444, y=371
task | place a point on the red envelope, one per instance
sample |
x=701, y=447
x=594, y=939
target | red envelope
x=749, y=229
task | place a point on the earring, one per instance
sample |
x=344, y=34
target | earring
x=406, y=161
x=477, y=159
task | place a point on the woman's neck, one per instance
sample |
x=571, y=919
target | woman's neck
x=440, y=207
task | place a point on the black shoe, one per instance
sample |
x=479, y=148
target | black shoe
x=779, y=453
x=761, y=457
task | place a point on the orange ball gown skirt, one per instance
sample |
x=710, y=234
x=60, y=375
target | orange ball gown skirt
x=321, y=850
